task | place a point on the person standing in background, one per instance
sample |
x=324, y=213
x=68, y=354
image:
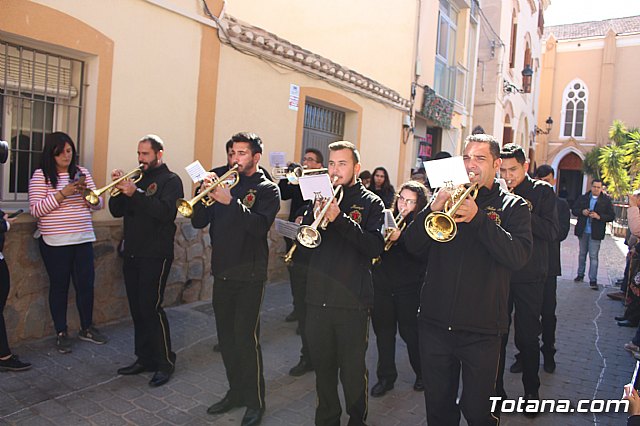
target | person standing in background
x=381, y=186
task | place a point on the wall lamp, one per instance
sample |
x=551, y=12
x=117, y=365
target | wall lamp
x=509, y=88
x=549, y=125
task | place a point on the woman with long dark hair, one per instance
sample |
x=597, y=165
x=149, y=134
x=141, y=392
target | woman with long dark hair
x=381, y=186
x=397, y=280
x=66, y=235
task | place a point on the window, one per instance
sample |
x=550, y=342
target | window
x=445, y=72
x=322, y=126
x=574, y=112
x=39, y=93
x=514, y=38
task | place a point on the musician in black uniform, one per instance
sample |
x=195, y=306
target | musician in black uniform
x=340, y=292
x=397, y=279
x=149, y=211
x=240, y=220
x=527, y=283
x=312, y=159
x=463, y=302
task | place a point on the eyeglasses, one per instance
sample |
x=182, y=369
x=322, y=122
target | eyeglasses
x=407, y=201
x=312, y=159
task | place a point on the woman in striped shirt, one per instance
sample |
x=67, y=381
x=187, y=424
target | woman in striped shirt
x=65, y=234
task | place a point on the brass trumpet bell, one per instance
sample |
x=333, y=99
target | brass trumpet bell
x=441, y=226
x=229, y=179
x=93, y=195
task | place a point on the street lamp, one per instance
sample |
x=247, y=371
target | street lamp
x=527, y=74
x=549, y=125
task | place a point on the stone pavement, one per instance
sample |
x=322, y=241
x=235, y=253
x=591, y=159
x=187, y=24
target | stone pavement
x=82, y=388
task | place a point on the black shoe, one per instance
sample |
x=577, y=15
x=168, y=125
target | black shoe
x=418, y=386
x=222, y=406
x=627, y=323
x=216, y=347
x=13, y=364
x=579, y=278
x=516, y=367
x=301, y=368
x=530, y=397
x=381, y=388
x=135, y=368
x=291, y=317
x=549, y=364
x=160, y=378
x=593, y=285
x=252, y=417
x=620, y=318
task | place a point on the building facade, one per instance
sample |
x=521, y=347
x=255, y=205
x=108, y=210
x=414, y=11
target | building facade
x=588, y=81
x=507, y=81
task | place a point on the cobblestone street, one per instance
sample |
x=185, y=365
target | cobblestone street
x=82, y=387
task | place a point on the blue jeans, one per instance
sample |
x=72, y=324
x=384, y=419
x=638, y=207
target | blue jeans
x=587, y=245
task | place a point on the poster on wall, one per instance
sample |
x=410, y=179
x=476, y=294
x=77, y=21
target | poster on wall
x=425, y=147
x=294, y=97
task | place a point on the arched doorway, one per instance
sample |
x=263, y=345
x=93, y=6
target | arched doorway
x=570, y=177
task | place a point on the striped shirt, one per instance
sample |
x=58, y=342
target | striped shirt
x=73, y=215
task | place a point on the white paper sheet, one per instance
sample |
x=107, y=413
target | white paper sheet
x=446, y=171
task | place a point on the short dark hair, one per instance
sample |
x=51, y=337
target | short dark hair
x=441, y=155
x=478, y=130
x=494, y=146
x=157, y=144
x=340, y=145
x=365, y=175
x=511, y=150
x=254, y=141
x=228, y=145
x=317, y=153
x=544, y=170
x=597, y=180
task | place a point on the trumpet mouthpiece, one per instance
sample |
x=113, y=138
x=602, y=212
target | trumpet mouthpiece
x=472, y=175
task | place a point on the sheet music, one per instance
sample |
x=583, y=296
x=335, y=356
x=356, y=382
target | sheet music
x=310, y=185
x=277, y=159
x=196, y=172
x=286, y=228
x=446, y=171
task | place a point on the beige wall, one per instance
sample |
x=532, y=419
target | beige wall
x=610, y=75
x=254, y=95
x=373, y=37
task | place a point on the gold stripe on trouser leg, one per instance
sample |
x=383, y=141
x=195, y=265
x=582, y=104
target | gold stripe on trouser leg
x=255, y=339
x=164, y=331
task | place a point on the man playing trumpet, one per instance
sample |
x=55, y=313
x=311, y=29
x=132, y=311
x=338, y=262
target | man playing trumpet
x=149, y=211
x=463, y=302
x=340, y=291
x=240, y=219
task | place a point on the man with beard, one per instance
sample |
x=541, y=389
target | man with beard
x=340, y=290
x=149, y=211
x=463, y=303
x=240, y=220
x=527, y=283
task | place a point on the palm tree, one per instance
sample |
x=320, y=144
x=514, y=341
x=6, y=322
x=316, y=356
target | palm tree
x=613, y=162
x=590, y=164
x=632, y=157
x=618, y=132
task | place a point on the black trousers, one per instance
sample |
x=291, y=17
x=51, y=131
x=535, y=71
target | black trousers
x=526, y=300
x=69, y=263
x=338, y=341
x=5, y=285
x=444, y=354
x=236, y=305
x=298, y=274
x=548, y=316
x=145, y=280
x=392, y=313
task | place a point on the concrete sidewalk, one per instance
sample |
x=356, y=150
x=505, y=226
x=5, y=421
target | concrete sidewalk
x=82, y=388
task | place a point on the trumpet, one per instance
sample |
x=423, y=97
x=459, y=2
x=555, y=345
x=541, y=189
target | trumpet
x=308, y=235
x=441, y=226
x=288, y=258
x=93, y=195
x=293, y=176
x=229, y=179
x=399, y=220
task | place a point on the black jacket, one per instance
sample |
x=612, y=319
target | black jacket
x=541, y=199
x=340, y=268
x=239, y=249
x=289, y=191
x=149, y=215
x=4, y=227
x=564, y=217
x=467, y=281
x=603, y=207
x=385, y=195
x=400, y=270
